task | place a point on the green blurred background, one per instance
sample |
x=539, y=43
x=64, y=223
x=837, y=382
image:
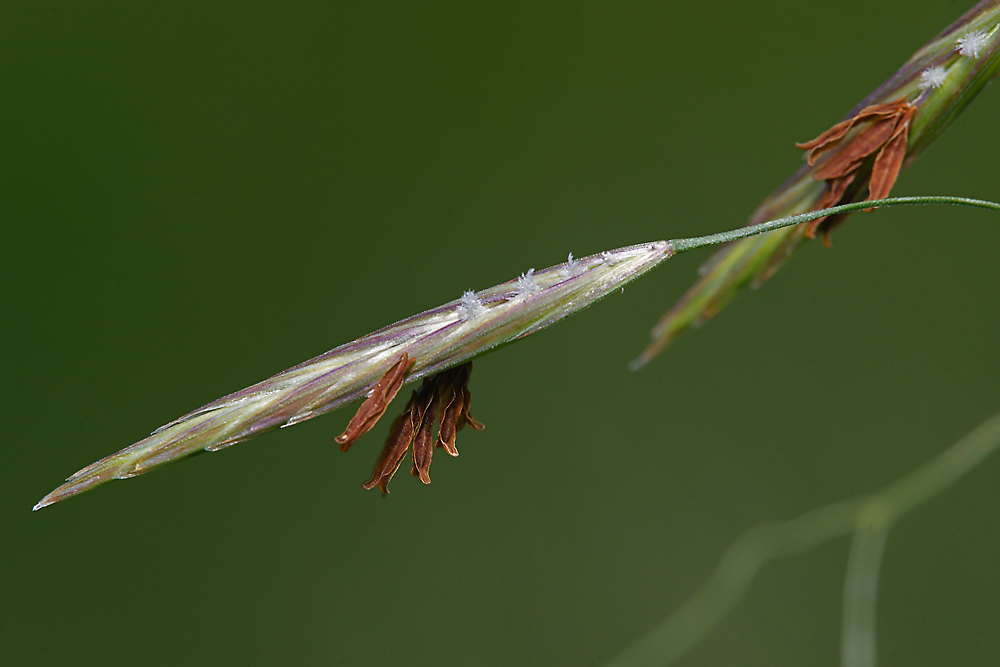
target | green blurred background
x=196, y=197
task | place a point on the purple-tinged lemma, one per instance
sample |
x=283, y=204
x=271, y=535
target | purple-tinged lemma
x=432, y=341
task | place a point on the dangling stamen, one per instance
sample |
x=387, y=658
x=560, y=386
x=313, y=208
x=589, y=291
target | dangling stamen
x=394, y=450
x=375, y=405
x=451, y=410
x=423, y=438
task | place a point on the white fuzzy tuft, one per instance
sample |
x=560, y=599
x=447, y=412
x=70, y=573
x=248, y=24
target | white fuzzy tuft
x=970, y=43
x=571, y=269
x=526, y=284
x=470, y=306
x=932, y=77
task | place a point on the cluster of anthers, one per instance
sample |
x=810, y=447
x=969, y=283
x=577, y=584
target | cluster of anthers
x=442, y=398
x=886, y=130
x=884, y=133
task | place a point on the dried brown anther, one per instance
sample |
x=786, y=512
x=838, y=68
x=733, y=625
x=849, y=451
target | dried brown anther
x=886, y=129
x=426, y=412
x=455, y=402
x=375, y=405
x=445, y=395
x=388, y=461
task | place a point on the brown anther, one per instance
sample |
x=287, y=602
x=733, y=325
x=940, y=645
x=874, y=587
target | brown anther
x=887, y=132
x=444, y=395
x=890, y=159
x=462, y=375
x=831, y=197
x=831, y=137
x=451, y=410
x=375, y=405
x=423, y=439
x=393, y=451
x=850, y=156
x=456, y=400
x=466, y=417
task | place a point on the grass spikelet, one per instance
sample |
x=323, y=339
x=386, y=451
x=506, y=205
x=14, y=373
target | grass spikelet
x=428, y=343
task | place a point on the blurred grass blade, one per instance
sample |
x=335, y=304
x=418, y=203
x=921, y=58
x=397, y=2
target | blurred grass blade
x=871, y=515
x=933, y=88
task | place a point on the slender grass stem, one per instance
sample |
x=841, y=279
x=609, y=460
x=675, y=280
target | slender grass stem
x=682, y=245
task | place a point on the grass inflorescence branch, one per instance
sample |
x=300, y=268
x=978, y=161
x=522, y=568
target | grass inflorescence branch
x=682, y=245
x=426, y=346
